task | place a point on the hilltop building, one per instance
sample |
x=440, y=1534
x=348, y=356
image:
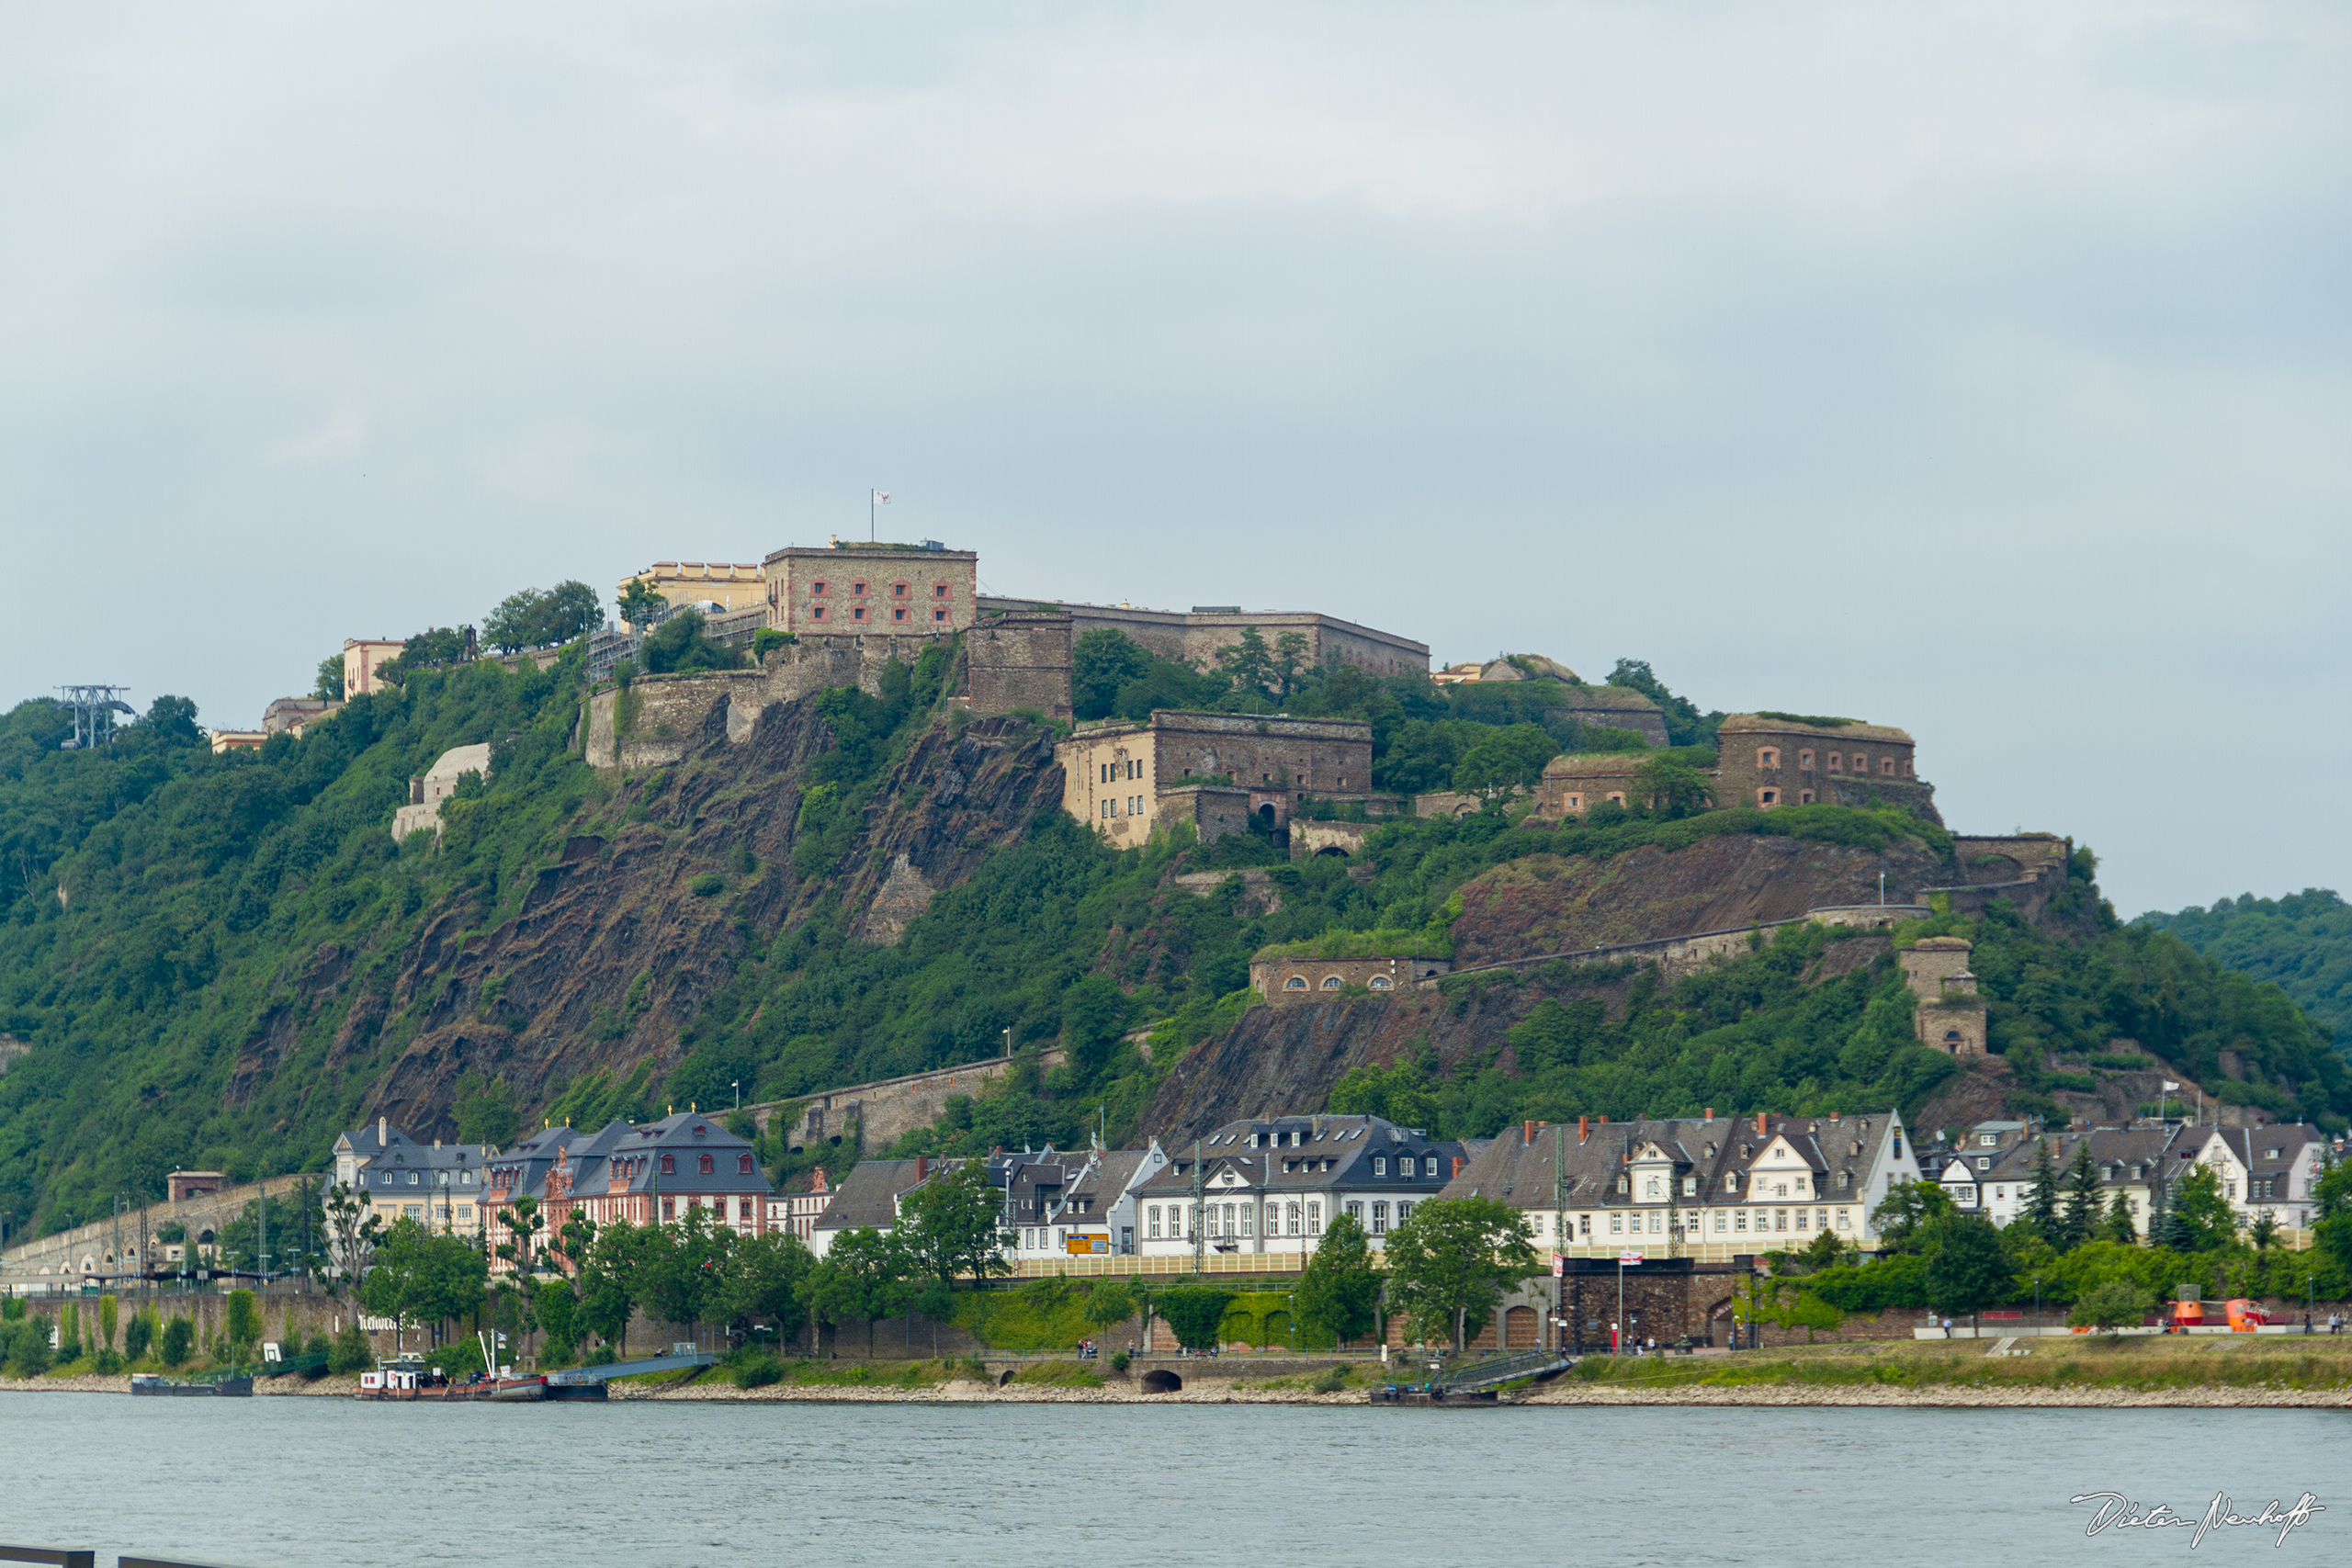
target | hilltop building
x=1212, y=770
x=924, y=589
x=1194, y=636
x=1776, y=759
x=731, y=585
x=362, y=658
x=1950, y=1014
x=428, y=790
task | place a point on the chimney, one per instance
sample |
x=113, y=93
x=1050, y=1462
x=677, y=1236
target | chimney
x=1833, y=1119
x=1711, y=1113
x=1759, y=1123
x=437, y=1143
x=1526, y=1134
x=1457, y=1165
x=1604, y=1120
x=381, y=1133
x=923, y=1167
x=1584, y=1129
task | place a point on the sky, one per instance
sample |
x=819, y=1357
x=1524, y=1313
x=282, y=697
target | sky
x=1981, y=368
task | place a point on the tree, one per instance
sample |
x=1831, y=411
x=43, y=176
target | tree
x=29, y=1353
x=1905, y=1214
x=570, y=610
x=1824, y=1251
x=862, y=1278
x=1248, y=663
x=1289, y=657
x=420, y=1276
x=351, y=1352
x=138, y=1335
x=354, y=1228
x=763, y=1288
x=171, y=722
x=557, y=1311
x=679, y=646
x=608, y=1283
x=179, y=1338
x=639, y=603
x=1195, y=1315
x=2086, y=1200
x=107, y=1309
x=681, y=1266
x=1967, y=1270
x=1503, y=756
x=1100, y=663
x=2202, y=1219
x=328, y=683
x=2119, y=1226
x=948, y=1229
x=523, y=1221
x=1452, y=1260
x=243, y=1323
x=2041, y=1208
x=1671, y=789
x=1094, y=1013
x=1337, y=1292
x=2263, y=1230
x=2112, y=1305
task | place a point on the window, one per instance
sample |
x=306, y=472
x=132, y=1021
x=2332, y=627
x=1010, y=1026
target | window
x=1690, y=1187
x=1330, y=982
x=1248, y=1219
x=858, y=613
x=416, y=1211
x=1780, y=1219
x=818, y=589
x=1886, y=766
x=1804, y=797
x=1404, y=1212
x=1768, y=797
x=669, y=1205
x=1380, y=1219
x=817, y=613
x=1429, y=1166
x=412, y=1178
x=857, y=589
x=1801, y=1213
x=1731, y=1182
x=668, y=1165
x=1315, y=1219
x=743, y=1164
x=1719, y=1221
x=1650, y=1191
x=900, y=591
x=939, y=614
x=1616, y=1224
x=1999, y=1193
x=1988, y=1140
x=1984, y=1162
x=1151, y=1218
x=1290, y=1216
x=939, y=591
x=1379, y=1165
x=1739, y=1219
x=1295, y=983
x=1836, y=762
x=1767, y=757
x=1845, y=1219
x=898, y=615
x=1382, y=983
x=1805, y=761
x=1355, y=1212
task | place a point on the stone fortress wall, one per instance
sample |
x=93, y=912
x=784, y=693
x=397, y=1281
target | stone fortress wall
x=1196, y=636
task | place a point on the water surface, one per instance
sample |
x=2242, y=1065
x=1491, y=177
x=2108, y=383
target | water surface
x=333, y=1483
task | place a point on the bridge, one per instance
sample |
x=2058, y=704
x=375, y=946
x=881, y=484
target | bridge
x=38, y=1263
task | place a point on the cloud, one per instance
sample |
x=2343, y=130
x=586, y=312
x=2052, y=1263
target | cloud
x=1978, y=368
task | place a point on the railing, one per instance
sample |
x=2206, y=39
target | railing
x=1498, y=1369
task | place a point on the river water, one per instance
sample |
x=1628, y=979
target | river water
x=333, y=1484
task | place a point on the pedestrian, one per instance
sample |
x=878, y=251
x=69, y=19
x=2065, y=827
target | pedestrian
x=1947, y=1328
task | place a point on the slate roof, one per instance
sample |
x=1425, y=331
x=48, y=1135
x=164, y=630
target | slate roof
x=868, y=1194
x=1521, y=1172
x=1309, y=1154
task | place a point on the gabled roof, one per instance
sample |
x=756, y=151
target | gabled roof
x=1521, y=1171
x=868, y=1195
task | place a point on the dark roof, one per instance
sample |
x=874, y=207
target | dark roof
x=1291, y=1152
x=868, y=1194
x=1522, y=1171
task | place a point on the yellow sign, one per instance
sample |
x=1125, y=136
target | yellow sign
x=1079, y=1244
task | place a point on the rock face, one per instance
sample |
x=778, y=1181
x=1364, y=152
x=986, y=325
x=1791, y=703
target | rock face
x=1545, y=904
x=621, y=939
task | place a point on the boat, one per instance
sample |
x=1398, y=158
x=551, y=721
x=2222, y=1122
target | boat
x=234, y=1385
x=409, y=1382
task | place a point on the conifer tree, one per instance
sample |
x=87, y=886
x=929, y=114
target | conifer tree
x=2086, y=1200
x=2119, y=1226
x=2041, y=1208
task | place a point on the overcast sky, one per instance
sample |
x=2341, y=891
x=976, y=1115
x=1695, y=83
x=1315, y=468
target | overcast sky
x=1978, y=368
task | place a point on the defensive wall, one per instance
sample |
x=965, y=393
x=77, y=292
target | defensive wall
x=89, y=1249
x=1677, y=957
x=876, y=1115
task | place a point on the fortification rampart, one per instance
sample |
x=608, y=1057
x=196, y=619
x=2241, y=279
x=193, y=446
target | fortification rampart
x=89, y=1249
x=1677, y=957
x=876, y=1115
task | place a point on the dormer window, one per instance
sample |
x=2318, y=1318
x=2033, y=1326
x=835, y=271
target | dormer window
x=1690, y=1187
x=1624, y=1183
x=1731, y=1182
x=668, y=1165
x=742, y=1165
x=1379, y=1165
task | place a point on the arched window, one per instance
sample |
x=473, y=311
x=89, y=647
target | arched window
x=743, y=1164
x=668, y=1165
x=1951, y=1041
x=707, y=1168
x=1295, y=983
x=1330, y=982
x=1382, y=983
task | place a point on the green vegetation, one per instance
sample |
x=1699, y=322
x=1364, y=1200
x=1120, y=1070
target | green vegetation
x=1429, y=942
x=1453, y=1261
x=533, y=619
x=2301, y=944
x=2138, y=1364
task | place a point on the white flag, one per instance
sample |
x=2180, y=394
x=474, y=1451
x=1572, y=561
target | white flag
x=2170, y=1086
x=881, y=498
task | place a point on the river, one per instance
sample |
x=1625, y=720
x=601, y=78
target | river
x=329, y=1484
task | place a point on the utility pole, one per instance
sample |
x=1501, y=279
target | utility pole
x=1560, y=1220
x=1197, y=1193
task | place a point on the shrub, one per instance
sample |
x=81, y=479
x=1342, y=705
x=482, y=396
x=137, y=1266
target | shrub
x=602, y=1356
x=28, y=1354
x=2112, y=1305
x=1195, y=1313
x=707, y=885
x=1119, y=1359
x=320, y=1353
x=138, y=1335
x=351, y=1353
x=179, y=1338
x=758, y=1371
x=1330, y=1382
x=106, y=1362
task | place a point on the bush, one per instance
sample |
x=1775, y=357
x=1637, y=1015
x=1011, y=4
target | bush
x=106, y=1362
x=757, y=1371
x=1119, y=1359
x=602, y=1356
x=707, y=885
x=1330, y=1382
x=138, y=1335
x=179, y=1338
x=2115, y=1304
x=352, y=1353
x=319, y=1352
x=1195, y=1314
x=28, y=1354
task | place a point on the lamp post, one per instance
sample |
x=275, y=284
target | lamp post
x=2037, y=1309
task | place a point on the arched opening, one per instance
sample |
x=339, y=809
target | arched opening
x=1952, y=1041
x=1333, y=850
x=1382, y=983
x=1161, y=1381
x=1522, y=1329
x=1331, y=982
x=1266, y=814
x=1295, y=983
x=1007, y=1377
x=204, y=1238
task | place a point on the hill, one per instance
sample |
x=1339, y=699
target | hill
x=217, y=961
x=2301, y=944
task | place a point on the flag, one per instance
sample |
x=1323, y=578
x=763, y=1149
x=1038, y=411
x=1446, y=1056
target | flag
x=2170, y=1086
x=881, y=498
x=1626, y=1257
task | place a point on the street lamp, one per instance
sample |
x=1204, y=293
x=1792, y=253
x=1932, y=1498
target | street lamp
x=2037, y=1309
